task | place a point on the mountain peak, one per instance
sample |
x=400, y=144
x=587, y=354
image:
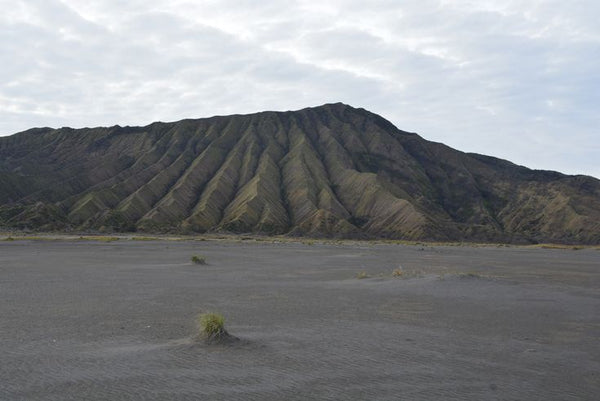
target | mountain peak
x=330, y=170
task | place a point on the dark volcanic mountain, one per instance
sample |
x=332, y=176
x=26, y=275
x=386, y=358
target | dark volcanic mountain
x=326, y=171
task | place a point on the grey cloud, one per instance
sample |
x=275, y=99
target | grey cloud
x=479, y=76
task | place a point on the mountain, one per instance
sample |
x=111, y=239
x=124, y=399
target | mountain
x=332, y=170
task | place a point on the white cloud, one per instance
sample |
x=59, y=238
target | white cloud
x=517, y=80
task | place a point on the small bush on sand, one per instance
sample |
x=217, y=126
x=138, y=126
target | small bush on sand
x=212, y=324
x=362, y=275
x=199, y=260
x=212, y=329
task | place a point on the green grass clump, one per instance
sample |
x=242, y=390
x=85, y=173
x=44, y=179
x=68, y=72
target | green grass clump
x=211, y=324
x=199, y=260
x=362, y=275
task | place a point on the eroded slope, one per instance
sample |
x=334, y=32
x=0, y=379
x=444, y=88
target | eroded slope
x=326, y=171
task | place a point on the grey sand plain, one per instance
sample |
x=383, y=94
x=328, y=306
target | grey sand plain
x=87, y=320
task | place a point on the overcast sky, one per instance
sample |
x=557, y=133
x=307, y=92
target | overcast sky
x=518, y=80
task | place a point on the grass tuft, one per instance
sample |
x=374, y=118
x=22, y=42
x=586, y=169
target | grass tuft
x=199, y=260
x=211, y=324
x=362, y=275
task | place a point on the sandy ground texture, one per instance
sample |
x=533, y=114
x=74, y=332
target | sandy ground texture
x=116, y=321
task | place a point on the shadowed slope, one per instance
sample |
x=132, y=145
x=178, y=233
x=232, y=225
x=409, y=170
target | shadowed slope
x=331, y=170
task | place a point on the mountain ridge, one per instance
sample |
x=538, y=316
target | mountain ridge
x=331, y=170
